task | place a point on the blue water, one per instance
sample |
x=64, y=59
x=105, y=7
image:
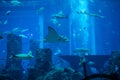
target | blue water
x=106, y=30
x=85, y=30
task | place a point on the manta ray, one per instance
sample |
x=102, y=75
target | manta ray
x=53, y=36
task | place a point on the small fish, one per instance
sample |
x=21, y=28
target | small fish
x=80, y=50
x=24, y=30
x=15, y=30
x=0, y=22
x=57, y=52
x=55, y=22
x=5, y=22
x=90, y=63
x=1, y=37
x=8, y=12
x=15, y=2
x=40, y=9
x=23, y=56
x=94, y=70
x=6, y=32
x=59, y=15
x=23, y=36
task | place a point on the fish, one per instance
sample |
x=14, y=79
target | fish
x=55, y=21
x=15, y=3
x=22, y=56
x=90, y=14
x=58, y=52
x=5, y=22
x=8, y=12
x=6, y=32
x=24, y=30
x=16, y=31
x=0, y=22
x=23, y=36
x=1, y=37
x=55, y=17
x=40, y=10
x=90, y=63
x=53, y=36
x=80, y=50
x=94, y=70
x=59, y=15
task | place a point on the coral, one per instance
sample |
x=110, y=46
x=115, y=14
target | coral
x=57, y=74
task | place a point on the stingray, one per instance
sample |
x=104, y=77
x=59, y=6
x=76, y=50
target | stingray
x=53, y=36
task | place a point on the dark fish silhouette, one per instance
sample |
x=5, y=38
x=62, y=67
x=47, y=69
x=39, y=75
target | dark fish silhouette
x=53, y=36
x=1, y=37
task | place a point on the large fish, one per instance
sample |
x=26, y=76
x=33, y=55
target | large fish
x=80, y=50
x=60, y=15
x=90, y=14
x=53, y=36
x=23, y=56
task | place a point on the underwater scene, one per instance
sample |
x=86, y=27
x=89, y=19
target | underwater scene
x=59, y=40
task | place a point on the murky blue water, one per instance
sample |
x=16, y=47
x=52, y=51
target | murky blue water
x=67, y=27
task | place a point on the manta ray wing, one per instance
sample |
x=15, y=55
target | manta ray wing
x=52, y=32
x=52, y=35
